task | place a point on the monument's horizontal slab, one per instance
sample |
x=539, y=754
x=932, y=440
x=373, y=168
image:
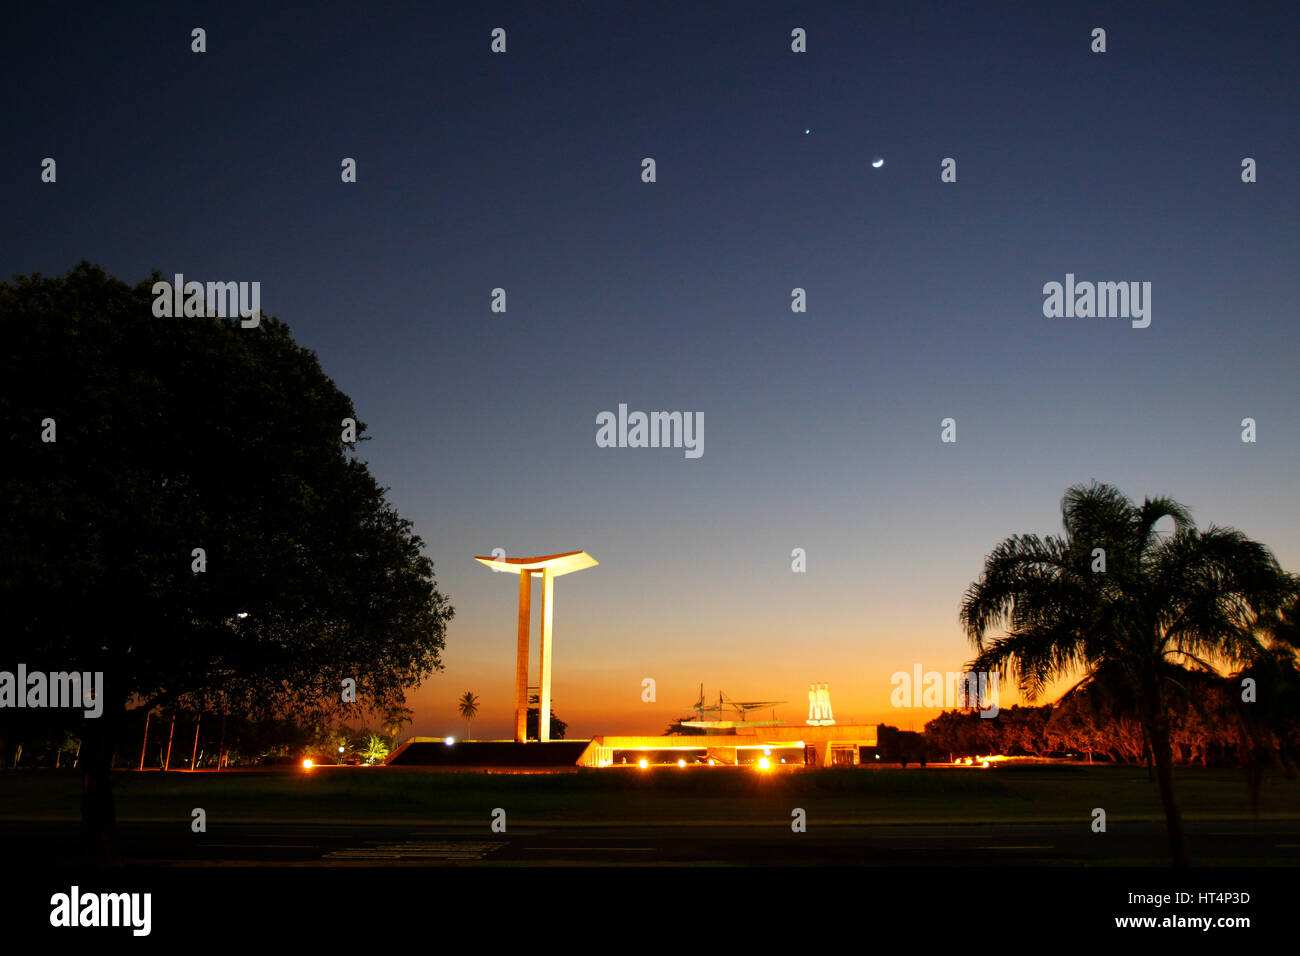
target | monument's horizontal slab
x=556, y=564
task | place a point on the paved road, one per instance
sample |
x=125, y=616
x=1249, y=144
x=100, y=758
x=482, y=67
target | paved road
x=173, y=844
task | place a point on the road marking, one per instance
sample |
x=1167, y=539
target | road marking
x=1048, y=847
x=928, y=836
x=418, y=850
x=263, y=846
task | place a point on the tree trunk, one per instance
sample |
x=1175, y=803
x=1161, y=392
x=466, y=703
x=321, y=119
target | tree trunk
x=1162, y=754
x=145, y=744
x=167, y=764
x=221, y=747
x=98, y=811
x=195, y=752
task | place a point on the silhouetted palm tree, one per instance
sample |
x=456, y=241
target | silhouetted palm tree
x=1163, y=605
x=395, y=718
x=468, y=710
x=1269, y=714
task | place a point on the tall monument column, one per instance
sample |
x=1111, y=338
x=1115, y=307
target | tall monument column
x=521, y=656
x=549, y=567
x=544, y=703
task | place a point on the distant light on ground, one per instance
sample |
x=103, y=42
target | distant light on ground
x=449, y=741
x=307, y=763
x=643, y=763
x=682, y=763
x=764, y=763
x=710, y=761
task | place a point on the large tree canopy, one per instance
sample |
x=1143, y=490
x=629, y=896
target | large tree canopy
x=175, y=434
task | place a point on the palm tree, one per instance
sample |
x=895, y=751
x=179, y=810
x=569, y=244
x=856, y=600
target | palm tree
x=373, y=748
x=395, y=718
x=1269, y=724
x=468, y=709
x=1164, y=606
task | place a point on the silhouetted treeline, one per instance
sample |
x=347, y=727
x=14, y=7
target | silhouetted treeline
x=1210, y=726
x=49, y=739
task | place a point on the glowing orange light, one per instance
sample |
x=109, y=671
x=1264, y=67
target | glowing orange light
x=643, y=763
x=307, y=763
x=764, y=763
x=682, y=763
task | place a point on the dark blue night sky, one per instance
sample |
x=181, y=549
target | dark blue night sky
x=822, y=429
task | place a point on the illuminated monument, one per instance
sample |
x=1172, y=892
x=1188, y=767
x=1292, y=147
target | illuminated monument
x=549, y=567
x=727, y=741
x=819, y=705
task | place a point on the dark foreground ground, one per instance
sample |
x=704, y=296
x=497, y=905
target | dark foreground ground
x=1265, y=843
x=1011, y=815
x=943, y=856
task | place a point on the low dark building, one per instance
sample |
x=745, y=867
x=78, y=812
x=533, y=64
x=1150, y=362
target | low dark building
x=896, y=746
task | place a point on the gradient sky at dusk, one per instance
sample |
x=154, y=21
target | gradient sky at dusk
x=821, y=429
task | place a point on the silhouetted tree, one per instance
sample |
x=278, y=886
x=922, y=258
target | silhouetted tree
x=1164, y=605
x=468, y=708
x=532, y=731
x=176, y=434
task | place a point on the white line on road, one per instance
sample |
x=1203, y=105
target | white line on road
x=1048, y=847
x=262, y=846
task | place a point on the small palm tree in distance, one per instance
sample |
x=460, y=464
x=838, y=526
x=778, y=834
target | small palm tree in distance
x=468, y=709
